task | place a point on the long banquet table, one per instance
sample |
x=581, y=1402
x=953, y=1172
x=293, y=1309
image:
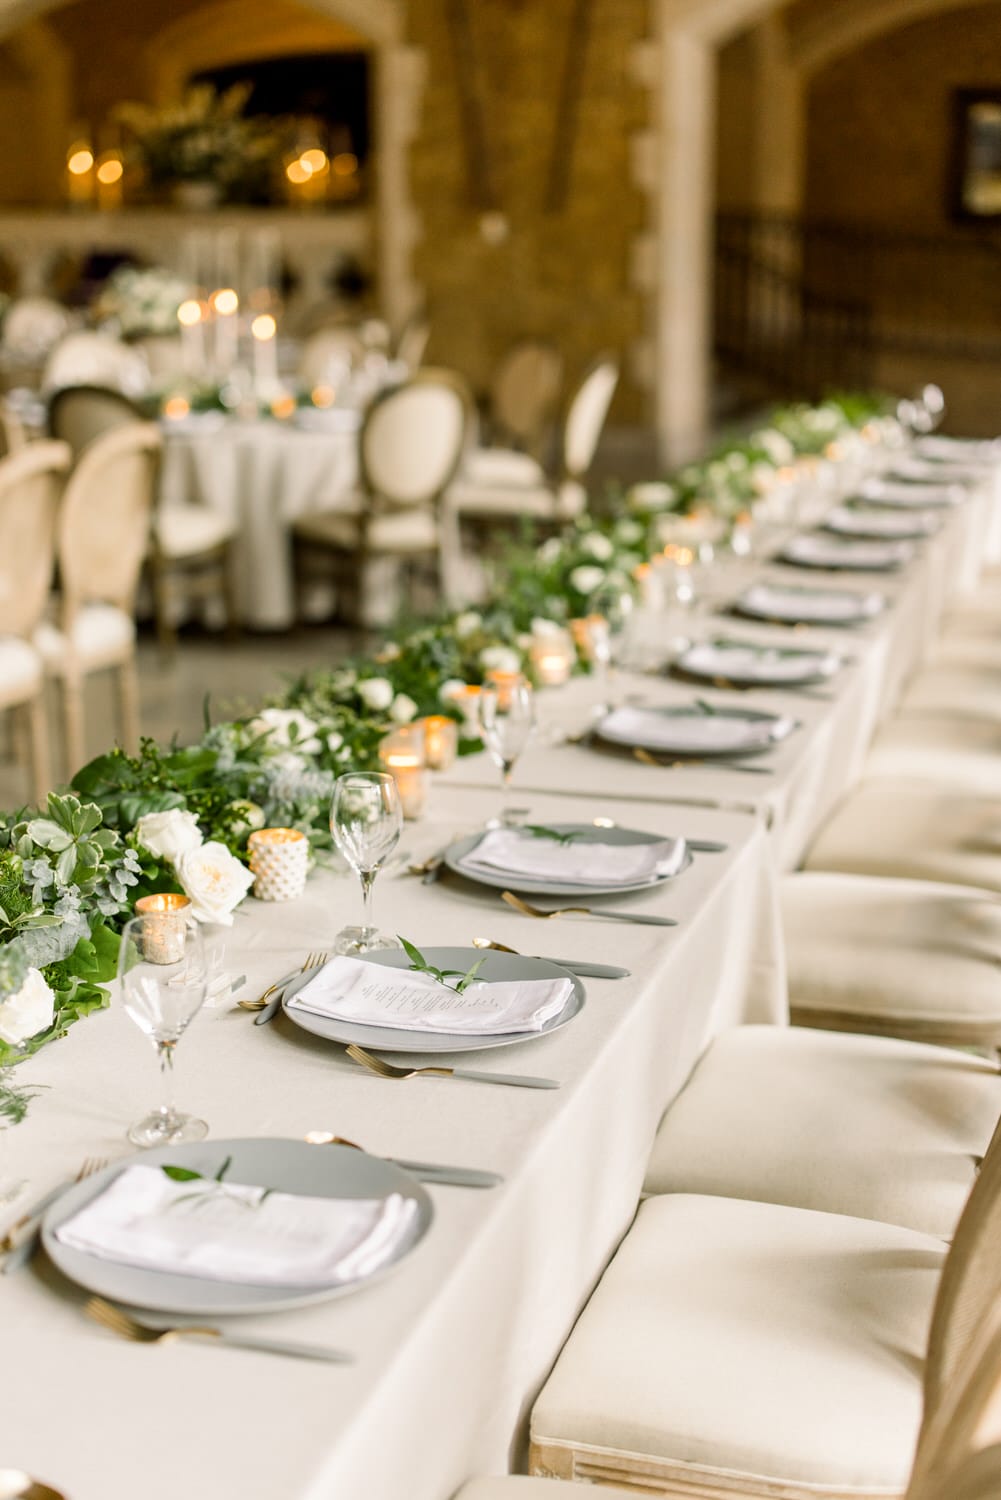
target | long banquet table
x=453, y=1346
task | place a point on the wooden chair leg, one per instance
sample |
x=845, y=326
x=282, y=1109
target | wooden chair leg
x=128, y=702
x=38, y=750
x=72, y=690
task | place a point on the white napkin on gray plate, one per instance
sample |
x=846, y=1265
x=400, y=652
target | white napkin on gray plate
x=827, y=552
x=367, y=994
x=882, y=523
x=692, y=734
x=757, y=663
x=810, y=604
x=962, y=450
x=230, y=1232
x=916, y=496
x=921, y=471
x=515, y=852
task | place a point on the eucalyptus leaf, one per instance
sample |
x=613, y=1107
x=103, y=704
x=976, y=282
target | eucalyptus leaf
x=180, y=1174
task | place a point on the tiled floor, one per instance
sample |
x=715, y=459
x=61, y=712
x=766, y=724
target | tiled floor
x=233, y=678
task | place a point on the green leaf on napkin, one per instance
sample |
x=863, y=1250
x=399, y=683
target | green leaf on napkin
x=419, y=965
x=181, y=1174
x=538, y=831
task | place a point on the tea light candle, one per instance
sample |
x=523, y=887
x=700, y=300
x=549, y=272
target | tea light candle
x=552, y=658
x=165, y=917
x=441, y=741
x=279, y=860
x=402, y=754
x=467, y=701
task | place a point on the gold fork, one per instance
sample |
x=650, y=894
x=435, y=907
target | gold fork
x=645, y=919
x=383, y=1069
x=24, y=1227
x=312, y=961
x=667, y=764
x=130, y=1328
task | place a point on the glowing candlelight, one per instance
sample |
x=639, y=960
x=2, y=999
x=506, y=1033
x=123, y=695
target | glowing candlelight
x=165, y=917
x=263, y=330
x=441, y=741
x=279, y=859
x=403, y=754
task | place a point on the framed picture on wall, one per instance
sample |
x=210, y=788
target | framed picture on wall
x=975, y=178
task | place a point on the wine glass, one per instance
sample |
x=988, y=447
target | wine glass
x=507, y=720
x=163, y=976
x=611, y=637
x=366, y=821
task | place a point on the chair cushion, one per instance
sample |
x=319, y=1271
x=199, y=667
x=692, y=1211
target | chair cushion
x=502, y=467
x=21, y=670
x=539, y=503
x=403, y=531
x=862, y=1125
x=915, y=832
x=964, y=688
x=954, y=752
x=102, y=636
x=907, y=954
x=736, y=1338
x=186, y=530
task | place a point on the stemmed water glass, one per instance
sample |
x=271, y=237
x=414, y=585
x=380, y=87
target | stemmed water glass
x=366, y=821
x=163, y=975
x=611, y=638
x=507, y=720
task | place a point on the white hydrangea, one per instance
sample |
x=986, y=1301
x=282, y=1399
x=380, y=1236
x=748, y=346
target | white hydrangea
x=285, y=727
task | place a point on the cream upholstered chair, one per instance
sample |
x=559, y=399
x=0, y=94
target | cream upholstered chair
x=944, y=750
x=521, y=1487
x=31, y=482
x=912, y=831
x=410, y=444
x=524, y=393
x=413, y=341
x=891, y=957
x=328, y=356
x=77, y=414
x=502, y=484
x=96, y=359
x=861, y=1125
x=738, y=1348
x=102, y=537
x=12, y=434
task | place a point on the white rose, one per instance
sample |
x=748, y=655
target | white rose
x=169, y=834
x=500, y=659
x=652, y=496
x=290, y=762
x=542, y=627
x=597, y=546
x=630, y=533
x=402, y=709
x=285, y=727
x=376, y=693
x=250, y=814
x=29, y=1011
x=585, y=580
x=550, y=551
x=215, y=880
x=467, y=624
x=334, y=740
x=775, y=444
x=451, y=688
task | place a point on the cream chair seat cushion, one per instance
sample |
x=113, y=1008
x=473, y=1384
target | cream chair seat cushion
x=403, y=531
x=964, y=753
x=103, y=635
x=186, y=530
x=518, y=1487
x=915, y=832
x=963, y=688
x=730, y=1338
x=862, y=1125
x=502, y=467
x=21, y=670
x=542, y=502
x=917, y=958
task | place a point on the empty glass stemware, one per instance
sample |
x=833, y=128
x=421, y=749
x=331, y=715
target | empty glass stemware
x=163, y=976
x=507, y=720
x=366, y=821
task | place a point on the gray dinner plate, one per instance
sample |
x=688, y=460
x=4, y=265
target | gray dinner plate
x=860, y=616
x=661, y=747
x=282, y=1165
x=850, y=521
x=848, y=555
x=496, y=966
x=815, y=666
x=587, y=834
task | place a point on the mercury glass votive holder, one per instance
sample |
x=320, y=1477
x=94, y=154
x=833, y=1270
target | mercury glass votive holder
x=164, y=919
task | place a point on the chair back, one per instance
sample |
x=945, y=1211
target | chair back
x=413, y=341
x=80, y=413
x=525, y=390
x=586, y=415
x=33, y=325
x=412, y=439
x=967, y=1422
x=12, y=434
x=971, y=1281
x=104, y=522
x=96, y=359
x=328, y=356
x=31, y=482
x=163, y=353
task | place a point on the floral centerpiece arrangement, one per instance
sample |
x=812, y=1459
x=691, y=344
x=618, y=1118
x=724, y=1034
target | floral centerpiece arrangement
x=178, y=817
x=139, y=300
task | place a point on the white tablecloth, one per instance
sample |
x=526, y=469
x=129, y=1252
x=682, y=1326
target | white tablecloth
x=452, y=1347
x=263, y=476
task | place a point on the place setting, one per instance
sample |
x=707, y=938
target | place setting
x=788, y=604
x=868, y=522
x=845, y=554
x=901, y=493
x=743, y=666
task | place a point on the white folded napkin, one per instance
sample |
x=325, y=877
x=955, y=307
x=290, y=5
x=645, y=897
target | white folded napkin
x=692, y=734
x=757, y=664
x=921, y=471
x=804, y=604
x=961, y=450
x=827, y=552
x=918, y=496
x=515, y=852
x=230, y=1232
x=349, y=989
x=882, y=523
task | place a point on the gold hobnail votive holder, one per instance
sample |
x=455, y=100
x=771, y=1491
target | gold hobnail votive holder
x=165, y=919
x=279, y=862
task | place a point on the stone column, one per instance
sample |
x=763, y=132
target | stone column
x=779, y=124
x=400, y=73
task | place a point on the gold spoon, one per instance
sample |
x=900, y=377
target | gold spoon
x=527, y=910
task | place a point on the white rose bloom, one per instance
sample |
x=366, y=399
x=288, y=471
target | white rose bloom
x=402, y=709
x=524, y=641
x=334, y=740
x=29, y=1011
x=775, y=444
x=717, y=474
x=651, y=496
x=290, y=761
x=543, y=627
x=279, y=723
x=736, y=462
x=251, y=815
x=763, y=478
x=467, y=624
x=597, y=546
x=376, y=693
x=500, y=659
x=169, y=834
x=585, y=580
x=450, y=688
x=215, y=881
x=550, y=550
x=630, y=533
